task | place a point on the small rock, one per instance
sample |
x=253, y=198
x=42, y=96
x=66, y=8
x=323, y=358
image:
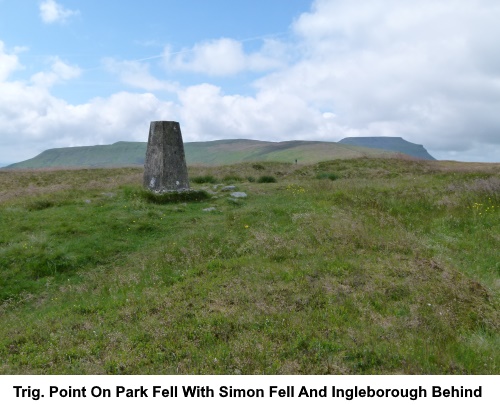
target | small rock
x=234, y=201
x=209, y=209
x=228, y=188
x=239, y=194
x=88, y=201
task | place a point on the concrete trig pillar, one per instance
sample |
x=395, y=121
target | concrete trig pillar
x=165, y=168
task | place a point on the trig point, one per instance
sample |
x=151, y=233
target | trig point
x=165, y=168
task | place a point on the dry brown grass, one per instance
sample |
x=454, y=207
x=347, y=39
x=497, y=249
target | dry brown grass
x=466, y=167
x=16, y=184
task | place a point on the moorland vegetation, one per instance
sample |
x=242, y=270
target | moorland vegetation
x=380, y=266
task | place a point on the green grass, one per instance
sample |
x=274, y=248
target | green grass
x=266, y=179
x=391, y=268
x=329, y=176
x=204, y=179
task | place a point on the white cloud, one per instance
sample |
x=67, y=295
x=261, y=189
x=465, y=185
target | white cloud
x=20, y=49
x=8, y=63
x=59, y=72
x=33, y=120
x=122, y=116
x=224, y=57
x=428, y=71
x=53, y=12
x=137, y=74
x=207, y=113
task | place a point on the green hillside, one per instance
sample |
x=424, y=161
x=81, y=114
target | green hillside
x=118, y=154
x=204, y=153
x=392, y=143
x=355, y=266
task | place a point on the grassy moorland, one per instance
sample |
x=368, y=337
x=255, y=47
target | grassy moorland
x=348, y=266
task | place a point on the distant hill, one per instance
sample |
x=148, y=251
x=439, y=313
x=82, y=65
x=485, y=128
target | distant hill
x=391, y=143
x=118, y=154
x=244, y=150
x=205, y=153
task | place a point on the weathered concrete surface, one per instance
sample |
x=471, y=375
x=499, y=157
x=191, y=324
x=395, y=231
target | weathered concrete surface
x=165, y=167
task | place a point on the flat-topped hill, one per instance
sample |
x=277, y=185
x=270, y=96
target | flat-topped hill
x=392, y=143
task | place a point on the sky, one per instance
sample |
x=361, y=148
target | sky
x=92, y=72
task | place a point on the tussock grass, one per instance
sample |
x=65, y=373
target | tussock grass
x=329, y=176
x=204, y=179
x=266, y=179
x=391, y=268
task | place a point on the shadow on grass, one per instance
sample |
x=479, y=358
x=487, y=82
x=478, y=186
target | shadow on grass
x=174, y=196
